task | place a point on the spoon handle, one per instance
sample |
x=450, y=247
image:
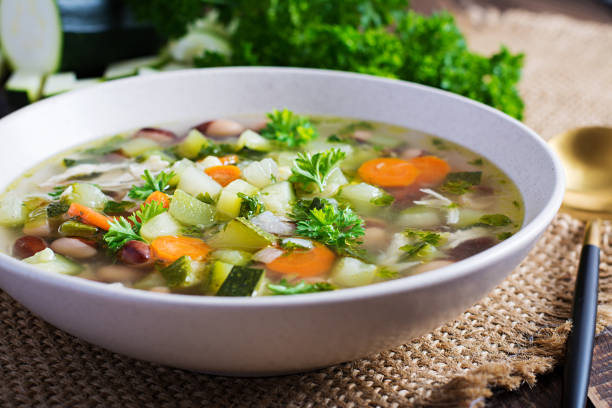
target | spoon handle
x=579, y=350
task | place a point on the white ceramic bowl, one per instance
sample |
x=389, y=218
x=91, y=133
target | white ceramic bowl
x=264, y=336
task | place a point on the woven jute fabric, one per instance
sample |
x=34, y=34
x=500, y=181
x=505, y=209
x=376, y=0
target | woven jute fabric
x=516, y=333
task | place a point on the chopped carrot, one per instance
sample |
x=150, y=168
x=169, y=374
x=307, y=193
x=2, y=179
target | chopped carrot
x=313, y=262
x=89, y=216
x=171, y=248
x=223, y=174
x=388, y=172
x=432, y=169
x=159, y=196
x=229, y=159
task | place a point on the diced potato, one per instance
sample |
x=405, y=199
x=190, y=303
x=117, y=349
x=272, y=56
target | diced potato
x=179, y=168
x=161, y=225
x=209, y=161
x=468, y=217
x=12, y=211
x=261, y=173
x=278, y=197
x=253, y=141
x=137, y=146
x=229, y=203
x=194, y=181
x=193, y=144
x=351, y=272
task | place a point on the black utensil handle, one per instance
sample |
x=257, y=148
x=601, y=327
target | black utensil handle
x=580, y=341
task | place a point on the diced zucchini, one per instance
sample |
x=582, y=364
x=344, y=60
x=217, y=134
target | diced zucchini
x=159, y=226
x=232, y=256
x=184, y=273
x=253, y=141
x=52, y=262
x=129, y=67
x=239, y=233
x=241, y=281
x=12, y=211
x=179, y=168
x=420, y=216
x=363, y=196
x=194, y=181
x=218, y=274
x=58, y=83
x=191, y=211
x=77, y=229
x=152, y=280
x=138, y=145
x=33, y=202
x=37, y=223
x=351, y=272
x=87, y=195
x=261, y=173
x=468, y=217
x=229, y=203
x=278, y=197
x=193, y=144
x=23, y=87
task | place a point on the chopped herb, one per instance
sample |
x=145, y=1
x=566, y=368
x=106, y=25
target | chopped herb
x=113, y=207
x=120, y=233
x=386, y=273
x=423, y=243
x=516, y=204
x=383, y=200
x=250, y=206
x=495, y=220
x=152, y=184
x=334, y=139
x=73, y=162
x=145, y=213
x=109, y=146
x=285, y=288
x=336, y=227
x=57, y=208
x=213, y=149
x=315, y=168
x=57, y=192
x=288, y=128
x=461, y=182
x=439, y=144
x=476, y=162
x=206, y=198
x=291, y=244
x=504, y=235
x=352, y=127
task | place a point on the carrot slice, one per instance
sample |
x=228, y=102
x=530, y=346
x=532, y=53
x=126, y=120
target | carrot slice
x=388, y=172
x=229, y=159
x=171, y=248
x=159, y=196
x=89, y=216
x=432, y=169
x=313, y=262
x=223, y=174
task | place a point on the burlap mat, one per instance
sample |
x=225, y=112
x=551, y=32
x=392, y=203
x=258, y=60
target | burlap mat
x=511, y=336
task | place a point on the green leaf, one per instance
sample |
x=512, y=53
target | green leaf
x=459, y=183
x=383, y=200
x=206, y=198
x=113, y=207
x=152, y=184
x=288, y=128
x=315, y=168
x=145, y=213
x=57, y=192
x=495, y=220
x=386, y=273
x=422, y=244
x=285, y=288
x=120, y=233
x=504, y=235
x=250, y=206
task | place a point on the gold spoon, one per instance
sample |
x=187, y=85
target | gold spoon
x=586, y=154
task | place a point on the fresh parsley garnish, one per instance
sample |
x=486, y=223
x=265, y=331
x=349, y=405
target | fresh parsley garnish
x=122, y=229
x=337, y=227
x=250, y=206
x=73, y=162
x=422, y=243
x=516, y=204
x=285, y=288
x=461, y=182
x=315, y=168
x=57, y=192
x=288, y=128
x=439, y=144
x=495, y=220
x=145, y=213
x=152, y=184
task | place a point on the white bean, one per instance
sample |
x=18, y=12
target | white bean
x=375, y=238
x=224, y=128
x=73, y=248
x=38, y=230
x=119, y=273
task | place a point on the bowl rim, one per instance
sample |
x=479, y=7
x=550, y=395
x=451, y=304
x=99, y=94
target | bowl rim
x=526, y=233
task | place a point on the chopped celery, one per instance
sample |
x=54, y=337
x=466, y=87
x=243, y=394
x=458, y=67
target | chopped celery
x=191, y=211
x=77, y=229
x=194, y=181
x=241, y=281
x=52, y=262
x=363, y=197
x=12, y=211
x=351, y=272
x=218, y=274
x=193, y=144
x=159, y=226
x=242, y=234
x=229, y=202
x=87, y=195
x=184, y=273
x=138, y=145
x=253, y=141
x=278, y=198
x=232, y=256
x=420, y=216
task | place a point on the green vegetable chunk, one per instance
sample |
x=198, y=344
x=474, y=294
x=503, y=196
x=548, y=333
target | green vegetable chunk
x=191, y=211
x=152, y=184
x=57, y=208
x=315, y=168
x=218, y=274
x=241, y=281
x=183, y=273
x=77, y=229
x=239, y=233
x=461, y=182
x=496, y=220
x=52, y=262
x=285, y=288
x=288, y=128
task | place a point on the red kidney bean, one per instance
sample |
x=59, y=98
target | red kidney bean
x=135, y=253
x=220, y=128
x=157, y=135
x=28, y=245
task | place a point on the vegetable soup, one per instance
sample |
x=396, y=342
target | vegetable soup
x=258, y=206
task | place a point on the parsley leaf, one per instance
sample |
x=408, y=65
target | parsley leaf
x=250, y=206
x=152, y=184
x=336, y=227
x=145, y=213
x=120, y=233
x=495, y=220
x=288, y=128
x=285, y=288
x=57, y=191
x=422, y=244
x=206, y=198
x=461, y=182
x=315, y=168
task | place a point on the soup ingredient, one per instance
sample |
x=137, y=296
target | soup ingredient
x=250, y=206
x=461, y=182
x=285, y=288
x=496, y=220
x=388, y=172
x=89, y=216
x=136, y=253
x=241, y=281
x=221, y=128
x=170, y=248
x=160, y=197
x=28, y=245
x=120, y=232
x=191, y=211
x=242, y=234
x=224, y=174
x=289, y=129
x=316, y=168
x=152, y=184
x=183, y=272
x=432, y=169
x=77, y=229
x=422, y=244
x=351, y=272
x=52, y=262
x=74, y=248
x=313, y=262
x=12, y=211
